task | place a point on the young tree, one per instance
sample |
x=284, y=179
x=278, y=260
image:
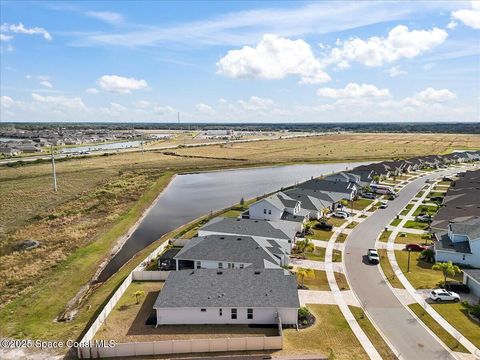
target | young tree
x=304, y=246
x=242, y=201
x=447, y=268
x=303, y=273
x=138, y=294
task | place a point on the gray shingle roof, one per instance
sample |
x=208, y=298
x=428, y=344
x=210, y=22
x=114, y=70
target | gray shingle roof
x=229, y=288
x=271, y=229
x=312, y=200
x=228, y=248
x=444, y=243
x=473, y=273
x=471, y=228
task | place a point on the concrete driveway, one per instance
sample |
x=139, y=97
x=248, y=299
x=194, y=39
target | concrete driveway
x=404, y=332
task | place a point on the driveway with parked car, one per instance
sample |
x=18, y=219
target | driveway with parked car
x=403, y=331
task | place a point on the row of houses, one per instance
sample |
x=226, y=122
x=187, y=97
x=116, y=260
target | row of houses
x=233, y=272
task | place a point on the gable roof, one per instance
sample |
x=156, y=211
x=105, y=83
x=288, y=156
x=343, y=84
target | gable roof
x=470, y=228
x=269, y=229
x=230, y=248
x=279, y=200
x=318, y=199
x=229, y=288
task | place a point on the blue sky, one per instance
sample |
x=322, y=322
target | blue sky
x=240, y=61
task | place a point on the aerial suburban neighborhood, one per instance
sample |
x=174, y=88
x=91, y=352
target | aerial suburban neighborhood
x=241, y=180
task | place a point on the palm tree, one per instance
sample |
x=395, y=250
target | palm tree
x=138, y=294
x=304, y=246
x=305, y=273
x=448, y=269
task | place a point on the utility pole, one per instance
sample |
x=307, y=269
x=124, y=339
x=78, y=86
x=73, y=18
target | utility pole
x=141, y=143
x=53, y=170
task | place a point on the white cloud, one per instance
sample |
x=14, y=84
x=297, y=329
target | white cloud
x=107, y=16
x=6, y=102
x=452, y=25
x=375, y=51
x=46, y=83
x=469, y=17
x=395, y=71
x=256, y=103
x=21, y=29
x=354, y=91
x=163, y=110
x=204, y=109
x=273, y=58
x=120, y=84
x=60, y=102
x=429, y=66
x=5, y=38
x=114, y=110
x=430, y=95
x=141, y=104
x=92, y=91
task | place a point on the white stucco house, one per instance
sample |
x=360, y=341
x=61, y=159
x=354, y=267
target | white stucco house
x=460, y=244
x=471, y=278
x=228, y=296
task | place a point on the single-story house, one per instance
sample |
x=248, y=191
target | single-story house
x=460, y=244
x=282, y=231
x=471, y=278
x=10, y=151
x=228, y=296
x=232, y=252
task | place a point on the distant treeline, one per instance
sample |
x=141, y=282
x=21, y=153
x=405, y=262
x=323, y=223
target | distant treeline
x=465, y=128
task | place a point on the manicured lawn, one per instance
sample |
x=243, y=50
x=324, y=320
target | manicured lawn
x=412, y=239
x=336, y=255
x=360, y=204
x=445, y=183
x=448, y=339
x=317, y=255
x=426, y=209
x=372, y=333
x=317, y=282
x=411, y=224
x=436, y=194
x=341, y=238
x=421, y=275
x=336, y=221
x=407, y=209
x=457, y=316
x=395, y=222
x=320, y=235
x=341, y=281
x=385, y=235
x=329, y=336
x=352, y=225
x=387, y=269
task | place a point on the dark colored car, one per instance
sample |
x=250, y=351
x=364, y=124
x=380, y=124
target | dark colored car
x=323, y=226
x=456, y=286
x=416, y=247
x=391, y=197
x=436, y=199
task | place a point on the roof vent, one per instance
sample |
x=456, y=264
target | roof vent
x=222, y=237
x=257, y=272
x=256, y=221
x=238, y=239
x=219, y=272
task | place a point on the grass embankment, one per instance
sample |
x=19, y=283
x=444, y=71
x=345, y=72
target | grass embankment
x=380, y=345
x=443, y=335
x=329, y=336
x=421, y=275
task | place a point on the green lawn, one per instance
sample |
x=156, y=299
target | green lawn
x=407, y=209
x=436, y=194
x=411, y=224
x=457, y=316
x=382, y=347
x=336, y=256
x=388, y=270
x=352, y=225
x=395, y=222
x=360, y=204
x=341, y=238
x=426, y=209
x=341, y=281
x=385, y=235
x=317, y=282
x=412, y=239
x=329, y=336
x=320, y=235
x=445, y=183
x=448, y=339
x=421, y=275
x=317, y=255
x=336, y=221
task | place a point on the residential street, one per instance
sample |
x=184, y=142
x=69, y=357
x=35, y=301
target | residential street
x=403, y=331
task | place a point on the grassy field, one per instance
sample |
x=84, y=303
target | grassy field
x=317, y=282
x=447, y=339
x=385, y=235
x=421, y=275
x=341, y=238
x=329, y=336
x=341, y=281
x=360, y=204
x=388, y=270
x=317, y=255
x=412, y=239
x=380, y=345
x=426, y=209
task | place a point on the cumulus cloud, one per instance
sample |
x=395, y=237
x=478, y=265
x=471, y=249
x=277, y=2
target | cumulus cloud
x=141, y=104
x=106, y=16
x=256, y=103
x=375, y=51
x=273, y=57
x=5, y=38
x=46, y=83
x=92, y=91
x=430, y=95
x=21, y=29
x=163, y=110
x=204, y=109
x=354, y=91
x=120, y=84
x=60, y=102
x=469, y=17
x=6, y=102
x=395, y=71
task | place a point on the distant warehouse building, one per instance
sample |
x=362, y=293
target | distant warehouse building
x=228, y=296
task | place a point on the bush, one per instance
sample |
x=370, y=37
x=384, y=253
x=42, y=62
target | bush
x=303, y=312
x=472, y=309
x=428, y=255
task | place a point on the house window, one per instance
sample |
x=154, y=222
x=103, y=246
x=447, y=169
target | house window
x=220, y=265
x=231, y=265
x=250, y=314
x=203, y=310
x=199, y=265
x=234, y=314
x=269, y=212
x=220, y=312
x=264, y=211
x=242, y=266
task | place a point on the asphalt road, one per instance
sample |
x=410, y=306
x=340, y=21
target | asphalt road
x=403, y=331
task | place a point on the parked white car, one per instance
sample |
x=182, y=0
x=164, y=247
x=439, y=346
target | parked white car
x=383, y=204
x=373, y=257
x=444, y=295
x=341, y=214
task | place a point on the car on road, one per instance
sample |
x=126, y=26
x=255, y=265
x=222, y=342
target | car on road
x=456, y=286
x=416, y=247
x=368, y=196
x=423, y=218
x=383, y=204
x=439, y=295
x=447, y=179
x=392, y=197
x=323, y=225
x=340, y=214
x=373, y=257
